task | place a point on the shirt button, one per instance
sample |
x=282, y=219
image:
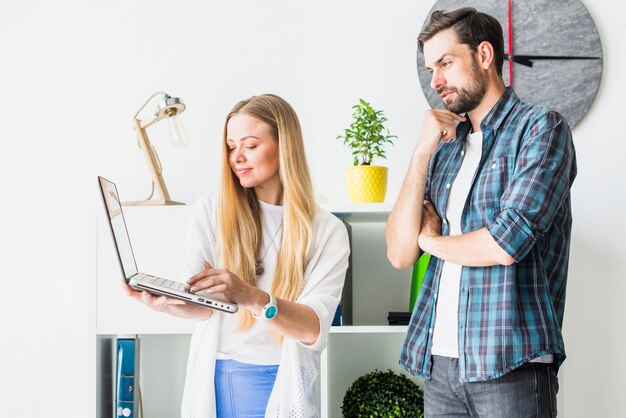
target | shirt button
x=493, y=166
x=462, y=153
x=444, y=222
x=430, y=330
x=448, y=186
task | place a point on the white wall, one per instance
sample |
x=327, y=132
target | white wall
x=73, y=73
x=595, y=312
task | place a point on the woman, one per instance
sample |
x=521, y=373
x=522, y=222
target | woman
x=271, y=250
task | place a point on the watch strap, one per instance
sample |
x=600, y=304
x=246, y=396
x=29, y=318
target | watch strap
x=269, y=311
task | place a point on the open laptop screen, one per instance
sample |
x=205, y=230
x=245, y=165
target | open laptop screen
x=118, y=227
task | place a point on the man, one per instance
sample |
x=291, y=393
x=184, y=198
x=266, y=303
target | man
x=495, y=175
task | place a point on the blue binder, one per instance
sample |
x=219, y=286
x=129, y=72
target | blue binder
x=127, y=378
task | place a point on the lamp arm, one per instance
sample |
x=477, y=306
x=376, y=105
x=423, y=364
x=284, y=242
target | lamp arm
x=145, y=123
x=154, y=164
x=143, y=106
x=156, y=159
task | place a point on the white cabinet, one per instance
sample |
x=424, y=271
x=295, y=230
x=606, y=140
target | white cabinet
x=158, y=234
x=377, y=288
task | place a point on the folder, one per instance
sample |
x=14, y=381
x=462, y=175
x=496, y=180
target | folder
x=127, y=378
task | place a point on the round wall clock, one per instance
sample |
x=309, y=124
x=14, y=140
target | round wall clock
x=553, y=54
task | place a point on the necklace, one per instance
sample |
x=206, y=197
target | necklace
x=258, y=267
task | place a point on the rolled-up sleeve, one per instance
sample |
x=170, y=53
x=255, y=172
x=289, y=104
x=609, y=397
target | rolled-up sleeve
x=540, y=184
x=325, y=274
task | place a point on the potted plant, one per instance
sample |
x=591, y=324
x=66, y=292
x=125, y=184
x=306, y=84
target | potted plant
x=367, y=137
x=383, y=394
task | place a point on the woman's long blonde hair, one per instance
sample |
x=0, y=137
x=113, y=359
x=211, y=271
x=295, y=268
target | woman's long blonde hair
x=238, y=209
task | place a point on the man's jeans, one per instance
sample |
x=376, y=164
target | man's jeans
x=528, y=391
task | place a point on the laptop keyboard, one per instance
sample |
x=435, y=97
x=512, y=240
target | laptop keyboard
x=159, y=281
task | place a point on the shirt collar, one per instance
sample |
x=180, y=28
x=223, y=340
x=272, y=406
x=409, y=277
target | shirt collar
x=495, y=117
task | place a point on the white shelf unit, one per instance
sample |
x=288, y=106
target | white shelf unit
x=158, y=234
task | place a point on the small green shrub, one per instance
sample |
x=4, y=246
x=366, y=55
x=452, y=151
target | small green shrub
x=383, y=394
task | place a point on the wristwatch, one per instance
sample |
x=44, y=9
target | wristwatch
x=269, y=311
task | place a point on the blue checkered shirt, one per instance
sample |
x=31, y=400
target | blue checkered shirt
x=507, y=315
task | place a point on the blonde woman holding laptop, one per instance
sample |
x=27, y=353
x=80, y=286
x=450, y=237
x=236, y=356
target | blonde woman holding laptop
x=266, y=245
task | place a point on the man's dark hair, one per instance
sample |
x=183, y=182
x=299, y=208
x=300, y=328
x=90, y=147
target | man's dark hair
x=471, y=27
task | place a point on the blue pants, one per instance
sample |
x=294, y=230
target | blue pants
x=528, y=391
x=242, y=390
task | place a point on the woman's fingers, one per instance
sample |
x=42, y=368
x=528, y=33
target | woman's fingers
x=218, y=288
x=215, y=281
x=209, y=282
x=133, y=293
x=197, y=277
x=158, y=302
x=207, y=272
x=153, y=301
x=127, y=289
x=147, y=298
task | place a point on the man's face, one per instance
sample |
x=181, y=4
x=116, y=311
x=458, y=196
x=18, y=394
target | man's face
x=456, y=74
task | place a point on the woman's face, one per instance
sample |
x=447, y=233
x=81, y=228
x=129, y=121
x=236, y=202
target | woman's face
x=253, y=154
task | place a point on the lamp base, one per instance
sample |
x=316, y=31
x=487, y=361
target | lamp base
x=152, y=202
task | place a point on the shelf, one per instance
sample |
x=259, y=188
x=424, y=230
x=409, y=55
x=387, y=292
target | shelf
x=369, y=329
x=359, y=212
x=182, y=329
x=186, y=328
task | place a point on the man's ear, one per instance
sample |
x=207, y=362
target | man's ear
x=485, y=54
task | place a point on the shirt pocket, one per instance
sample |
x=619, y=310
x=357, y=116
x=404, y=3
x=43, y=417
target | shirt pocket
x=489, y=187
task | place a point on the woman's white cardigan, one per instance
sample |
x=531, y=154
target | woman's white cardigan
x=326, y=264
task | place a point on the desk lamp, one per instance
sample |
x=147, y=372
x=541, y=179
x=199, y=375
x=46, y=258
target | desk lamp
x=167, y=108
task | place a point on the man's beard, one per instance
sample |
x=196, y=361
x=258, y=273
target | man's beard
x=467, y=98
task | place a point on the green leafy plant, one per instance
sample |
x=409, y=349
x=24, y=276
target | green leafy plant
x=367, y=134
x=383, y=394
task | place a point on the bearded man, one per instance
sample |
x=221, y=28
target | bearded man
x=487, y=194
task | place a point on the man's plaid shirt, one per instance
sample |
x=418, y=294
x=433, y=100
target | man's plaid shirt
x=508, y=315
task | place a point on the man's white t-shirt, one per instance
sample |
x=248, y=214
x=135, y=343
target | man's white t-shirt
x=445, y=334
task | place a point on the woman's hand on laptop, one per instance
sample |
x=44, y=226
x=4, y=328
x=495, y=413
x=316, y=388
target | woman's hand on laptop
x=158, y=303
x=171, y=306
x=234, y=288
x=296, y=320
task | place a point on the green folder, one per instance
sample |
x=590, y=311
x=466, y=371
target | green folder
x=419, y=271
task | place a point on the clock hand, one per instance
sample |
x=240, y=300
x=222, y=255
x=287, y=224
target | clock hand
x=527, y=60
x=510, y=30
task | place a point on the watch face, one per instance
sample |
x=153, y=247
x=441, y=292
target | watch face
x=271, y=312
x=556, y=56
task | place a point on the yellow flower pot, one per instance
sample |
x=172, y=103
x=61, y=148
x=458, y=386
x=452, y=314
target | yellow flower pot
x=367, y=183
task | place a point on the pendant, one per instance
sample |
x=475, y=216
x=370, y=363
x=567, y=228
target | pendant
x=259, y=269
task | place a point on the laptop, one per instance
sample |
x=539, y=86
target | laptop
x=141, y=281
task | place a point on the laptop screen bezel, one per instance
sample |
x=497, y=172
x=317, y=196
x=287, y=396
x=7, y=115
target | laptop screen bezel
x=101, y=183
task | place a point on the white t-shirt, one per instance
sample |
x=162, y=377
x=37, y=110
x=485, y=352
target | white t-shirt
x=445, y=334
x=258, y=344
